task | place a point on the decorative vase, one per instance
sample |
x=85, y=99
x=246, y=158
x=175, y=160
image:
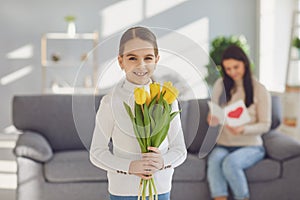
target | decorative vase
x=71, y=29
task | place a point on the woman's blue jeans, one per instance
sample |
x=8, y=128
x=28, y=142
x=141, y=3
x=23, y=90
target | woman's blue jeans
x=226, y=165
x=165, y=196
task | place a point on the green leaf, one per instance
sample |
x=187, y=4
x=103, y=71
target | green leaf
x=138, y=114
x=161, y=97
x=147, y=125
x=160, y=120
x=153, y=100
x=138, y=137
x=128, y=109
x=139, y=123
x=174, y=114
x=157, y=111
x=152, y=121
x=137, y=131
x=160, y=137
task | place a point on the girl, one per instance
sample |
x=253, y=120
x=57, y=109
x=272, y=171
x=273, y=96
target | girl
x=125, y=165
x=237, y=147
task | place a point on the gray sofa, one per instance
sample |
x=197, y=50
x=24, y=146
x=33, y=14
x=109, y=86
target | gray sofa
x=53, y=162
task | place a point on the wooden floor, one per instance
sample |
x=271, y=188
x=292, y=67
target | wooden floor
x=8, y=167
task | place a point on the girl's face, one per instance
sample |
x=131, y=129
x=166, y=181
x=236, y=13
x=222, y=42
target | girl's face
x=138, y=61
x=235, y=69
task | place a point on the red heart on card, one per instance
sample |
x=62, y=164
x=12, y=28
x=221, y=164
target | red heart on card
x=236, y=113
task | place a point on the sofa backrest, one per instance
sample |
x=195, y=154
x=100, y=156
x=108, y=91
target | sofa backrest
x=67, y=121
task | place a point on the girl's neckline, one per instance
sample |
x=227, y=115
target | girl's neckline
x=131, y=86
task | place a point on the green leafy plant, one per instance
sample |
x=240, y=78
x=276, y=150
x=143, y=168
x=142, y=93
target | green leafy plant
x=296, y=42
x=218, y=45
x=70, y=18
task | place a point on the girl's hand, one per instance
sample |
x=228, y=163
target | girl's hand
x=144, y=177
x=237, y=130
x=142, y=169
x=154, y=158
x=212, y=120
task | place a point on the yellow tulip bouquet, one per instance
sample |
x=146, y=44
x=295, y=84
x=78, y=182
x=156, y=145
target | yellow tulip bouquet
x=151, y=121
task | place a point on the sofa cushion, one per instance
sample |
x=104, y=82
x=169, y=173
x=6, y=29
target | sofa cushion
x=281, y=147
x=265, y=170
x=193, y=169
x=72, y=166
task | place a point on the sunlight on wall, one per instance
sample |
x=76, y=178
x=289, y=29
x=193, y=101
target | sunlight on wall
x=8, y=165
x=195, y=52
x=198, y=31
x=154, y=7
x=120, y=15
x=16, y=75
x=24, y=52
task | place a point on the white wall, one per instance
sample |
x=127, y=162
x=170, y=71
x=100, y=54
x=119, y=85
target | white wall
x=23, y=23
x=275, y=37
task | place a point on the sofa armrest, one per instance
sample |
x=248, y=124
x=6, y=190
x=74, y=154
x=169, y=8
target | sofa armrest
x=33, y=146
x=280, y=146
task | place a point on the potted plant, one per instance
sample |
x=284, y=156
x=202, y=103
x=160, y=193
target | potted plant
x=296, y=42
x=218, y=45
x=70, y=19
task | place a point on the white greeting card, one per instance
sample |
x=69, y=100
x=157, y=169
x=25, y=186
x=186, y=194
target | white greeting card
x=235, y=114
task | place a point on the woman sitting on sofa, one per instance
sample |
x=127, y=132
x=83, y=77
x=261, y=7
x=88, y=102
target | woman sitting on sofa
x=239, y=147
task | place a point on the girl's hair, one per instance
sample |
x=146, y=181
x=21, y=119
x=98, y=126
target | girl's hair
x=235, y=52
x=138, y=32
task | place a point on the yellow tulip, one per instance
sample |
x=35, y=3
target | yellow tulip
x=155, y=90
x=171, y=93
x=148, y=98
x=140, y=95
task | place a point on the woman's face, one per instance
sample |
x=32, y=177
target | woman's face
x=235, y=69
x=138, y=61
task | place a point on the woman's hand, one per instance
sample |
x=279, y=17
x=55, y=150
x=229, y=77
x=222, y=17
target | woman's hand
x=212, y=120
x=237, y=130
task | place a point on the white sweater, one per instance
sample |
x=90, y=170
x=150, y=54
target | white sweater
x=113, y=122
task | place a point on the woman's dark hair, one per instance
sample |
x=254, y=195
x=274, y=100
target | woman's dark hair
x=235, y=52
x=138, y=32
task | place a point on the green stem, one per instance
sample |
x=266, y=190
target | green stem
x=154, y=188
x=140, y=189
x=150, y=191
x=144, y=189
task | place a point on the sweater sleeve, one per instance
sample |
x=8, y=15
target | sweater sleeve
x=263, y=113
x=177, y=152
x=100, y=155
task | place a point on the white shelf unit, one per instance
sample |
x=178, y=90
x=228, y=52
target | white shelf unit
x=291, y=99
x=62, y=40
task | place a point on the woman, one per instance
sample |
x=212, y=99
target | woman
x=238, y=148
